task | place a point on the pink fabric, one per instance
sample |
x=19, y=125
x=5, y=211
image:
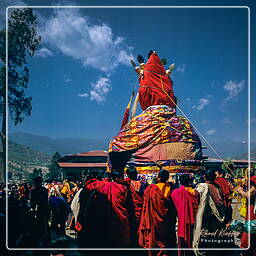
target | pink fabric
x=183, y=201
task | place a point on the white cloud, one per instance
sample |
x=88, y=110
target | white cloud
x=211, y=132
x=100, y=89
x=93, y=45
x=204, y=121
x=202, y=103
x=227, y=120
x=68, y=80
x=233, y=89
x=43, y=53
x=181, y=68
x=83, y=95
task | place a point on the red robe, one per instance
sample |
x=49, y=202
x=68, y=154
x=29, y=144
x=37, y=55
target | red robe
x=155, y=85
x=136, y=196
x=186, y=204
x=90, y=215
x=136, y=203
x=116, y=227
x=225, y=188
x=157, y=225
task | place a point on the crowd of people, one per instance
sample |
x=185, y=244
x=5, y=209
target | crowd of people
x=126, y=212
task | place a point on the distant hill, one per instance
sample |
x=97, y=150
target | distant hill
x=22, y=154
x=229, y=149
x=245, y=155
x=47, y=145
x=23, y=159
x=63, y=146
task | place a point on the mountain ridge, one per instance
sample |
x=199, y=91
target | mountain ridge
x=225, y=148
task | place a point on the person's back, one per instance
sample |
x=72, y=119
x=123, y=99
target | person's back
x=39, y=199
x=39, y=204
x=104, y=215
x=137, y=188
x=186, y=201
x=60, y=210
x=115, y=197
x=157, y=226
x=211, y=212
x=226, y=191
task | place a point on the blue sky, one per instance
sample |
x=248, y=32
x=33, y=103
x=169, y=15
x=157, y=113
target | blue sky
x=81, y=79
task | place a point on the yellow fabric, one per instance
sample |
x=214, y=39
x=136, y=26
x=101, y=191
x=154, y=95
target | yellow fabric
x=165, y=188
x=191, y=190
x=243, y=208
x=172, y=169
x=65, y=189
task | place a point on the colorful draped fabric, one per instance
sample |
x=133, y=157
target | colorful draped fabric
x=250, y=217
x=157, y=225
x=155, y=85
x=157, y=124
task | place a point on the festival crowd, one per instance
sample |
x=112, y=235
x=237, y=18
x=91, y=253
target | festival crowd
x=117, y=212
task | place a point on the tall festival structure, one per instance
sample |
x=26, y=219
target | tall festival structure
x=158, y=137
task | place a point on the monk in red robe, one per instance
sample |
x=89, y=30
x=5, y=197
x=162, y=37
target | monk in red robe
x=106, y=215
x=186, y=200
x=251, y=193
x=158, y=219
x=136, y=189
x=226, y=190
x=155, y=84
x=116, y=212
x=89, y=217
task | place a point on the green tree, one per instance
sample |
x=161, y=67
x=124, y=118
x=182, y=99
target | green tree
x=23, y=41
x=36, y=172
x=55, y=172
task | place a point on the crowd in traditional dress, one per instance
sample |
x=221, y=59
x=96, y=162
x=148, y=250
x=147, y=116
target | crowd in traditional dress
x=126, y=212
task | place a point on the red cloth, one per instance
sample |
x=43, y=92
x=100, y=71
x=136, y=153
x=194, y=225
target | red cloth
x=151, y=89
x=157, y=225
x=186, y=204
x=253, y=180
x=105, y=218
x=90, y=181
x=225, y=188
x=115, y=205
x=126, y=117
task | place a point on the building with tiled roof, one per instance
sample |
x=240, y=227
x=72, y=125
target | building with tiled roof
x=78, y=165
